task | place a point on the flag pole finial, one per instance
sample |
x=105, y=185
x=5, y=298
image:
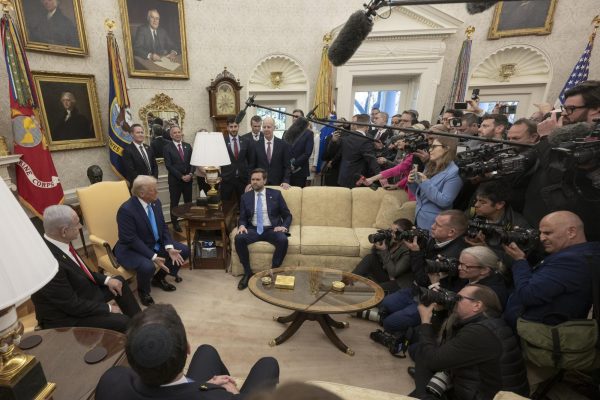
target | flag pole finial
x=596, y=21
x=470, y=31
x=109, y=24
x=6, y=6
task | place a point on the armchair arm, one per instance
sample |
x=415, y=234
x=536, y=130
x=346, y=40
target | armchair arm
x=98, y=241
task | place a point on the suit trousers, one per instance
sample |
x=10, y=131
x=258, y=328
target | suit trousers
x=277, y=239
x=175, y=192
x=232, y=189
x=116, y=322
x=207, y=363
x=145, y=269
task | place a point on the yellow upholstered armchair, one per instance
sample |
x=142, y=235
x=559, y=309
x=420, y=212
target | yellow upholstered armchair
x=99, y=205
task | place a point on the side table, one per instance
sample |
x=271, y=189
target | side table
x=212, y=220
x=61, y=354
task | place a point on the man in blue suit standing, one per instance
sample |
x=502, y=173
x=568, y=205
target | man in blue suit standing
x=301, y=141
x=264, y=217
x=145, y=241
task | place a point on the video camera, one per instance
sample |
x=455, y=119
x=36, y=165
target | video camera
x=578, y=152
x=507, y=162
x=387, y=235
x=442, y=264
x=415, y=142
x=485, y=152
x=525, y=238
x=439, y=296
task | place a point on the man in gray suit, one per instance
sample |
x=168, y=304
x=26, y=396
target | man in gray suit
x=152, y=42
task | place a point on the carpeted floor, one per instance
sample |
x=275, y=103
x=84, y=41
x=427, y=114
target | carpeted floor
x=240, y=326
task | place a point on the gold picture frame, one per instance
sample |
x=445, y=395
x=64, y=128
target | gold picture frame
x=522, y=18
x=70, y=121
x=163, y=56
x=160, y=106
x=59, y=31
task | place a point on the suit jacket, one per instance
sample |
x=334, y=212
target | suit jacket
x=143, y=42
x=301, y=151
x=175, y=165
x=70, y=295
x=122, y=383
x=239, y=167
x=134, y=163
x=279, y=213
x=58, y=30
x=358, y=158
x=278, y=171
x=388, y=133
x=76, y=127
x=135, y=232
x=248, y=136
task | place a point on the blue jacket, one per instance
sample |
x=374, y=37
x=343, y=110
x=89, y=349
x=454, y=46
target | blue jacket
x=278, y=211
x=435, y=194
x=556, y=290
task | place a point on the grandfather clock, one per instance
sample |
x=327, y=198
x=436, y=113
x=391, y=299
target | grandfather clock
x=224, y=99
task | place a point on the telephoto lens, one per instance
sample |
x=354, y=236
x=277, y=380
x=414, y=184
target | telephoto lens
x=371, y=314
x=439, y=383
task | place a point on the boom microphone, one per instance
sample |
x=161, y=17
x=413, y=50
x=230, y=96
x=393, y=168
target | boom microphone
x=354, y=32
x=569, y=133
x=240, y=117
x=311, y=113
x=295, y=130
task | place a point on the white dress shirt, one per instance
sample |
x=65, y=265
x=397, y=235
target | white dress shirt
x=266, y=220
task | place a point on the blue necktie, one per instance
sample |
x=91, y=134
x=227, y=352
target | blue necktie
x=259, y=214
x=154, y=227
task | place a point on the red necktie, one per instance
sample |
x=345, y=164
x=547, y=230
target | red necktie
x=236, y=151
x=269, y=152
x=81, y=265
x=180, y=151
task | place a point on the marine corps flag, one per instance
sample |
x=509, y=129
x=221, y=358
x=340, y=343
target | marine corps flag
x=119, y=114
x=38, y=185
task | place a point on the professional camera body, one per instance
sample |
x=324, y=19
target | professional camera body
x=485, y=152
x=494, y=160
x=496, y=235
x=383, y=235
x=414, y=142
x=448, y=265
x=395, y=343
x=440, y=296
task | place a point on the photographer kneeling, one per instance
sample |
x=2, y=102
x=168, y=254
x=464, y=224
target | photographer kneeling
x=389, y=258
x=479, y=355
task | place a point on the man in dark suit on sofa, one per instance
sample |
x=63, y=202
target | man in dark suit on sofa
x=157, y=349
x=177, y=155
x=77, y=295
x=273, y=155
x=138, y=158
x=264, y=217
x=144, y=239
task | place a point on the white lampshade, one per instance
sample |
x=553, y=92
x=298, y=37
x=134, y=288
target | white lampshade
x=210, y=150
x=26, y=264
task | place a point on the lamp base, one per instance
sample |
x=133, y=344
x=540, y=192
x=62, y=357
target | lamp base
x=26, y=382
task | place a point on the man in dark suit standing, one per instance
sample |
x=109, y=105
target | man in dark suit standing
x=152, y=42
x=77, y=295
x=138, y=158
x=157, y=370
x=145, y=241
x=301, y=144
x=273, y=155
x=236, y=176
x=264, y=217
x=358, y=153
x=255, y=134
x=53, y=26
x=177, y=155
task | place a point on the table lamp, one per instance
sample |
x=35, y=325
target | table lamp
x=26, y=266
x=210, y=152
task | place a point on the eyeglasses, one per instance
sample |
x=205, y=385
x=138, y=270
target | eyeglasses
x=433, y=146
x=461, y=297
x=570, y=109
x=465, y=266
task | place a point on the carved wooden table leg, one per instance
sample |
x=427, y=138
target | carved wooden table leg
x=334, y=323
x=287, y=318
x=289, y=332
x=325, y=322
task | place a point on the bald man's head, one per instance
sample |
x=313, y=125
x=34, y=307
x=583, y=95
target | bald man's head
x=561, y=229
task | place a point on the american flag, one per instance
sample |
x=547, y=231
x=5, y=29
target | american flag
x=581, y=71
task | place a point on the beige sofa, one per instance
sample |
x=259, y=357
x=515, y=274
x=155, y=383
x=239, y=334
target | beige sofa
x=330, y=226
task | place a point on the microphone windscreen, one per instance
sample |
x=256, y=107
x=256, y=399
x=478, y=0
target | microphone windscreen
x=240, y=116
x=354, y=32
x=569, y=132
x=480, y=6
x=295, y=130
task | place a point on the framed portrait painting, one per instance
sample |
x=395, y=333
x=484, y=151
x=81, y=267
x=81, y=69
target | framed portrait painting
x=522, y=18
x=52, y=26
x=154, y=36
x=69, y=109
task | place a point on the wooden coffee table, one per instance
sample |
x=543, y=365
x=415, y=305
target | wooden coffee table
x=313, y=299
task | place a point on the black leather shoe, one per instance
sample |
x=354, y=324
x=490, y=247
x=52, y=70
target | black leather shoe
x=163, y=284
x=243, y=282
x=411, y=372
x=176, y=227
x=178, y=278
x=146, y=299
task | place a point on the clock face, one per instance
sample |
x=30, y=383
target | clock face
x=225, y=99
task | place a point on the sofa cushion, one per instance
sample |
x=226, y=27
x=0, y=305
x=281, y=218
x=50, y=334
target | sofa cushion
x=266, y=247
x=329, y=240
x=365, y=205
x=393, y=208
x=326, y=206
x=293, y=199
x=362, y=234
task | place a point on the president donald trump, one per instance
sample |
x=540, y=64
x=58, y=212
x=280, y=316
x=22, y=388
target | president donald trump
x=264, y=216
x=145, y=241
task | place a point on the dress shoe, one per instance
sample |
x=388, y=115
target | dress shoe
x=163, y=284
x=243, y=282
x=176, y=227
x=411, y=372
x=178, y=278
x=146, y=299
